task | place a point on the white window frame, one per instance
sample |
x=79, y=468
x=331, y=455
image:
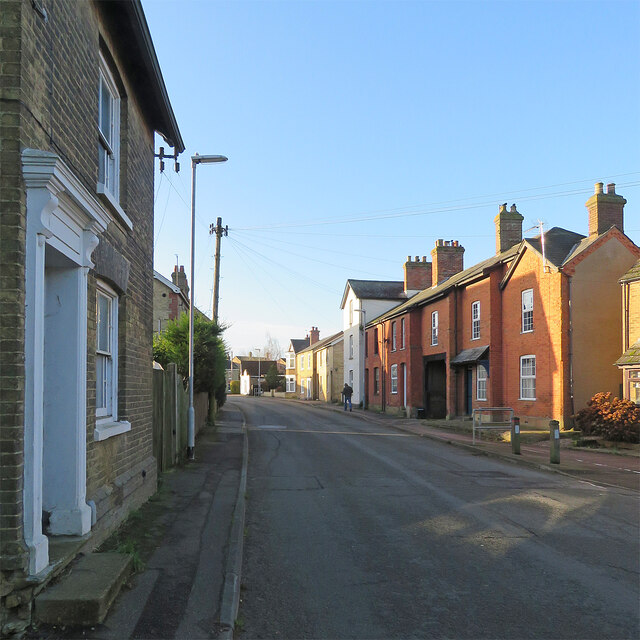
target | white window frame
x=530, y=375
x=527, y=311
x=351, y=378
x=481, y=382
x=351, y=313
x=434, y=328
x=394, y=378
x=394, y=335
x=351, y=347
x=475, y=320
x=107, y=424
x=308, y=387
x=291, y=360
x=309, y=361
x=291, y=384
x=110, y=183
x=376, y=381
x=302, y=361
x=402, y=334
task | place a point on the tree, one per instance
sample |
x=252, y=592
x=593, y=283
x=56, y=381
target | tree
x=272, y=349
x=273, y=379
x=209, y=353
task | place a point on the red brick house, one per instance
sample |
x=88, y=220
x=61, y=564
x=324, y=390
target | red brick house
x=519, y=329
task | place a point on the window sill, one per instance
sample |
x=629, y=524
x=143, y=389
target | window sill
x=527, y=331
x=109, y=428
x=106, y=196
x=527, y=399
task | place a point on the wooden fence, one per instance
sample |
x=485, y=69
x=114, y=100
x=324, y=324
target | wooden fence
x=170, y=409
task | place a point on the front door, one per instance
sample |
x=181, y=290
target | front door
x=468, y=391
x=435, y=389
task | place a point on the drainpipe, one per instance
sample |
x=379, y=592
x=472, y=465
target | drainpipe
x=384, y=376
x=573, y=410
x=625, y=334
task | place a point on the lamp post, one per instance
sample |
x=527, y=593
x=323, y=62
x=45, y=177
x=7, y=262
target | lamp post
x=191, y=432
x=362, y=349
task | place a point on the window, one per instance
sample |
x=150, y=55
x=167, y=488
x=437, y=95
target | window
x=481, y=382
x=402, y=334
x=527, y=310
x=320, y=357
x=106, y=352
x=375, y=341
x=376, y=381
x=291, y=384
x=393, y=336
x=528, y=378
x=475, y=320
x=633, y=376
x=302, y=362
x=291, y=360
x=351, y=347
x=394, y=378
x=309, y=361
x=350, y=313
x=434, y=328
x=308, y=387
x=351, y=378
x=108, y=135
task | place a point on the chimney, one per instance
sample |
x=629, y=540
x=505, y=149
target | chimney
x=447, y=258
x=417, y=275
x=605, y=209
x=180, y=279
x=315, y=335
x=508, y=228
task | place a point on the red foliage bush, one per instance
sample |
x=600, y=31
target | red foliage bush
x=611, y=418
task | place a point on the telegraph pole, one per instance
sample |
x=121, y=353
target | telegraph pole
x=219, y=230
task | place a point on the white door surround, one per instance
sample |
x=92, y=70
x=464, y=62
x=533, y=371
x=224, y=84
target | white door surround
x=63, y=223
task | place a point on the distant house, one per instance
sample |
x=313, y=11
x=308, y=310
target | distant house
x=170, y=298
x=536, y=327
x=84, y=97
x=329, y=374
x=629, y=362
x=255, y=370
x=296, y=345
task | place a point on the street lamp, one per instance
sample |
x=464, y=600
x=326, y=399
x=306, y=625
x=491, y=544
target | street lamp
x=191, y=431
x=362, y=349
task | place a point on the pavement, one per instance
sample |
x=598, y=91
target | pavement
x=191, y=534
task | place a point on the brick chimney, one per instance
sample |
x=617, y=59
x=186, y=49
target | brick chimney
x=605, y=209
x=417, y=275
x=508, y=228
x=314, y=335
x=180, y=279
x=447, y=258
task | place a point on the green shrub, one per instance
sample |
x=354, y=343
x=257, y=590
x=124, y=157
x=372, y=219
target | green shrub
x=235, y=386
x=610, y=418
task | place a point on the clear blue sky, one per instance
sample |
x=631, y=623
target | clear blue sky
x=360, y=132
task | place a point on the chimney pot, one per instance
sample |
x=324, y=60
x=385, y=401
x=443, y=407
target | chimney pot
x=599, y=187
x=424, y=258
x=417, y=259
x=408, y=258
x=503, y=208
x=514, y=208
x=611, y=188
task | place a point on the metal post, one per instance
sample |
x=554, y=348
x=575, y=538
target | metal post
x=554, y=442
x=515, y=436
x=191, y=419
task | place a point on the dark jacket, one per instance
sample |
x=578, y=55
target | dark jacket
x=347, y=392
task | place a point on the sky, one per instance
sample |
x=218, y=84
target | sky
x=359, y=133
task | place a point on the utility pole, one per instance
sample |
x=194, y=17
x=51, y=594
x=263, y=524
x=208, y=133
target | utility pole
x=219, y=230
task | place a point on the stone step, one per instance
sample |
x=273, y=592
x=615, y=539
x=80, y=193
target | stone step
x=84, y=595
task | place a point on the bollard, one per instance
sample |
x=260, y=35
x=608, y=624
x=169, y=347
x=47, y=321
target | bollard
x=554, y=442
x=515, y=436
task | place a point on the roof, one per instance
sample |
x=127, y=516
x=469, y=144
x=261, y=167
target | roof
x=299, y=344
x=469, y=356
x=321, y=344
x=632, y=274
x=158, y=276
x=630, y=356
x=443, y=288
x=560, y=245
x=251, y=365
x=374, y=290
x=129, y=27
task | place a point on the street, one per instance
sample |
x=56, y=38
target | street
x=356, y=530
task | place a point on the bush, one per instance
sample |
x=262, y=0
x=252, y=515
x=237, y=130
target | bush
x=234, y=386
x=610, y=418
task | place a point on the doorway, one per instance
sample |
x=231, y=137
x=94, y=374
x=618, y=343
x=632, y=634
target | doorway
x=435, y=388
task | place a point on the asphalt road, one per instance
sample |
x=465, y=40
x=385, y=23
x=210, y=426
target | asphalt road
x=358, y=531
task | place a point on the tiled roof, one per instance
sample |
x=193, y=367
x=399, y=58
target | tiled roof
x=632, y=274
x=470, y=355
x=631, y=355
x=459, y=278
x=322, y=343
x=559, y=244
x=299, y=344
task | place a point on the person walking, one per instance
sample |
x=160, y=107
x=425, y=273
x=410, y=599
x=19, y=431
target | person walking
x=347, y=392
